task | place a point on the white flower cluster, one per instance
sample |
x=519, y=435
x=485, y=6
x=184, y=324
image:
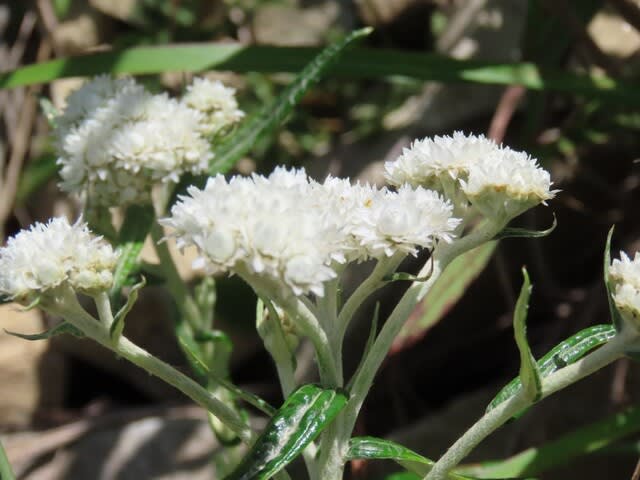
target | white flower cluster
x=115, y=140
x=624, y=275
x=216, y=102
x=293, y=231
x=49, y=255
x=497, y=180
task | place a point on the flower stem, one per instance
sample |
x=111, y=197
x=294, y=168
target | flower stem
x=103, y=305
x=69, y=308
x=176, y=286
x=495, y=418
x=363, y=379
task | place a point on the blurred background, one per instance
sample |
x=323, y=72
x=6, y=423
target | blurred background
x=70, y=410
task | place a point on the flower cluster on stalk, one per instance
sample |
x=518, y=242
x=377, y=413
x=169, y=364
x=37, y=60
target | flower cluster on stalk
x=468, y=169
x=294, y=232
x=37, y=261
x=115, y=139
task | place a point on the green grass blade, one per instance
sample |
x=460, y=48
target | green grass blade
x=562, y=451
x=272, y=116
x=358, y=63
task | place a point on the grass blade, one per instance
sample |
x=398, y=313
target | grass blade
x=358, y=63
x=274, y=115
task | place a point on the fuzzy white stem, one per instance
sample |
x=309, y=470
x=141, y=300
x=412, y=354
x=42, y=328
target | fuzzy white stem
x=495, y=418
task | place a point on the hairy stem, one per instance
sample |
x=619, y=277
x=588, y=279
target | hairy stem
x=68, y=308
x=495, y=418
x=441, y=257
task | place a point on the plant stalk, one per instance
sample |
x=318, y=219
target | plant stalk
x=67, y=307
x=495, y=418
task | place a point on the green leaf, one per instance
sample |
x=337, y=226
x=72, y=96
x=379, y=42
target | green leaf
x=444, y=294
x=60, y=329
x=302, y=417
x=189, y=346
x=585, y=440
x=616, y=319
x=274, y=115
x=373, y=331
x=134, y=231
x=408, y=277
x=565, y=353
x=514, y=232
x=359, y=63
x=118, y=321
x=529, y=373
x=373, y=448
x=6, y=472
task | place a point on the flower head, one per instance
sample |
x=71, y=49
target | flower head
x=404, y=221
x=115, y=140
x=624, y=276
x=497, y=180
x=293, y=231
x=49, y=255
x=215, y=102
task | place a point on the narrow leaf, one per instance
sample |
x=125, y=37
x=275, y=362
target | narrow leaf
x=359, y=63
x=444, y=294
x=134, y=230
x=118, y=321
x=404, y=276
x=190, y=347
x=563, y=354
x=373, y=331
x=60, y=329
x=274, y=115
x=514, y=232
x=616, y=319
x=373, y=448
x=302, y=417
x=564, y=450
x=529, y=373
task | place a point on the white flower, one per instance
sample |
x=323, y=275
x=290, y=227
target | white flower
x=115, y=140
x=258, y=226
x=498, y=181
x=430, y=162
x=294, y=231
x=624, y=275
x=405, y=220
x=49, y=255
x=216, y=102
x=506, y=183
